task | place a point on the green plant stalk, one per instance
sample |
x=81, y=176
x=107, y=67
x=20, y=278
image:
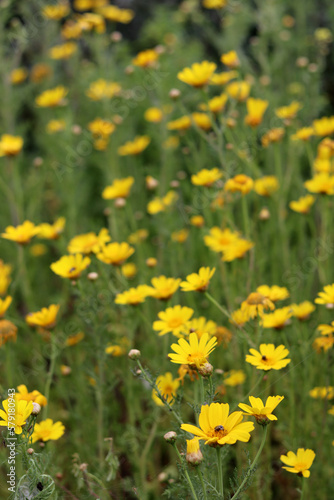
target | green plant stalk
x=245, y=214
x=221, y=308
x=202, y=391
x=220, y=473
x=191, y=486
x=200, y=475
x=303, y=489
x=50, y=374
x=251, y=468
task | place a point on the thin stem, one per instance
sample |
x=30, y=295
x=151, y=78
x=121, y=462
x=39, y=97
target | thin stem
x=245, y=215
x=202, y=397
x=185, y=472
x=50, y=373
x=200, y=475
x=303, y=489
x=251, y=468
x=220, y=473
x=221, y=308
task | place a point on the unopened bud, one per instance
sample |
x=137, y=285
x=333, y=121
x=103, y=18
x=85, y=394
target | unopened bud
x=174, y=184
x=151, y=182
x=170, y=437
x=107, y=211
x=151, y=262
x=129, y=70
x=92, y=276
x=162, y=477
x=134, y=354
x=194, y=455
x=36, y=409
x=38, y=161
x=229, y=146
x=76, y=129
x=116, y=36
x=174, y=93
x=206, y=370
x=264, y=214
x=120, y=202
x=83, y=467
x=30, y=451
x=59, y=475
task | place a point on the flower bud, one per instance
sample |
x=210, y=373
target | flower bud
x=120, y=202
x=76, y=129
x=116, y=36
x=30, y=451
x=264, y=214
x=170, y=437
x=174, y=93
x=151, y=262
x=36, y=409
x=206, y=370
x=134, y=354
x=92, y=276
x=38, y=161
x=194, y=455
x=151, y=182
x=174, y=184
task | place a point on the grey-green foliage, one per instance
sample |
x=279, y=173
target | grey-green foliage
x=35, y=484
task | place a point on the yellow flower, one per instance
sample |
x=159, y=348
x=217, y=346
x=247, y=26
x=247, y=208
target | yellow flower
x=325, y=343
x=63, y=51
x=220, y=239
x=240, y=317
x=153, y=115
x=202, y=325
x=217, y=427
x=134, y=296
x=39, y=72
x=113, y=13
x=255, y=304
x=5, y=270
x=45, y=318
x=52, y=231
x=18, y=75
x=273, y=135
x=71, y=29
x=8, y=331
x=240, y=183
x=230, y=59
x=47, y=430
x=15, y=414
x=234, y=378
x=273, y=293
x=256, y=109
x=10, y=145
x=326, y=297
x=278, y=319
x=269, y=357
x=171, y=142
x=322, y=183
x=237, y=249
x=197, y=220
x=214, y=4
x=167, y=387
x=201, y=120
x=120, y=188
x=70, y=266
x=74, y=339
x=38, y=249
x=324, y=126
x=262, y=412
x=52, y=97
x=194, y=353
x=5, y=303
x=198, y=282
x=160, y=204
x=138, y=236
x=89, y=242
x=173, y=319
x=303, y=204
x=115, y=350
x=103, y=89
x=22, y=394
x=298, y=463
x=134, y=147
x=198, y=75
x=163, y=288
x=322, y=392
x=21, y=234
x=303, y=310
x=115, y=253
x=194, y=455
x=288, y=112
x=223, y=78
x=89, y=21
x=182, y=123
x=180, y=236
x=224, y=335
x=54, y=126
x=101, y=128
x=129, y=270
x=303, y=134
x=326, y=329
x=238, y=90
x=216, y=104
x=56, y=12
x=266, y=186
x=146, y=58
x=206, y=177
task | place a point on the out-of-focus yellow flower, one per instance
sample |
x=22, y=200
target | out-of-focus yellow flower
x=173, y=319
x=8, y=331
x=70, y=266
x=303, y=310
x=240, y=183
x=238, y=90
x=46, y=430
x=240, y=317
x=56, y=12
x=303, y=204
x=323, y=343
x=277, y=319
x=138, y=236
x=35, y=396
x=115, y=253
x=129, y=270
x=324, y=126
x=171, y=142
x=198, y=281
x=113, y=13
x=266, y=186
x=237, y=250
x=303, y=134
x=54, y=126
x=273, y=293
x=201, y=325
x=38, y=249
x=115, y=350
x=202, y=120
x=71, y=30
x=133, y=296
x=10, y=145
x=103, y=89
x=18, y=75
x=219, y=239
x=22, y=233
x=161, y=204
x=223, y=78
x=273, y=135
x=322, y=392
x=180, y=236
x=52, y=97
x=5, y=303
x=101, y=128
x=198, y=75
x=52, y=231
x=89, y=242
x=197, y=220
x=120, y=188
x=216, y=104
x=268, y=357
x=206, y=177
x=63, y=51
x=182, y=123
x=288, y=112
x=134, y=147
x=256, y=304
x=298, y=463
x=74, y=339
x=167, y=387
x=323, y=161
x=46, y=317
x=230, y=59
x=82, y=5
x=146, y=58
x=326, y=297
x=234, y=378
x=224, y=335
x=65, y=370
x=154, y=115
x=39, y=72
x=5, y=270
x=214, y=4
x=323, y=35
x=322, y=183
x=89, y=21
x=163, y=288
x=326, y=329
x=151, y=262
x=256, y=109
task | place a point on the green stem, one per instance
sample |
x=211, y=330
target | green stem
x=220, y=473
x=221, y=308
x=50, y=373
x=200, y=475
x=202, y=392
x=245, y=215
x=251, y=468
x=185, y=472
x=303, y=489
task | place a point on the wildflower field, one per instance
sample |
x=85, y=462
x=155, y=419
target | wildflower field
x=166, y=250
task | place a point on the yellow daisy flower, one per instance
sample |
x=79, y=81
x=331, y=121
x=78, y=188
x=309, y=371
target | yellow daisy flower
x=47, y=430
x=255, y=304
x=326, y=297
x=89, y=242
x=51, y=231
x=230, y=59
x=4, y=304
x=256, y=109
x=303, y=310
x=134, y=147
x=198, y=282
x=115, y=253
x=322, y=183
x=70, y=266
x=45, y=318
x=269, y=357
x=303, y=204
x=133, y=296
x=10, y=145
x=198, y=75
x=22, y=394
x=273, y=293
x=240, y=183
x=52, y=97
x=206, y=177
x=262, y=412
x=163, y=288
x=194, y=353
x=22, y=233
x=266, y=186
x=146, y=58
x=120, y=188
x=167, y=387
x=173, y=319
x=300, y=462
x=15, y=414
